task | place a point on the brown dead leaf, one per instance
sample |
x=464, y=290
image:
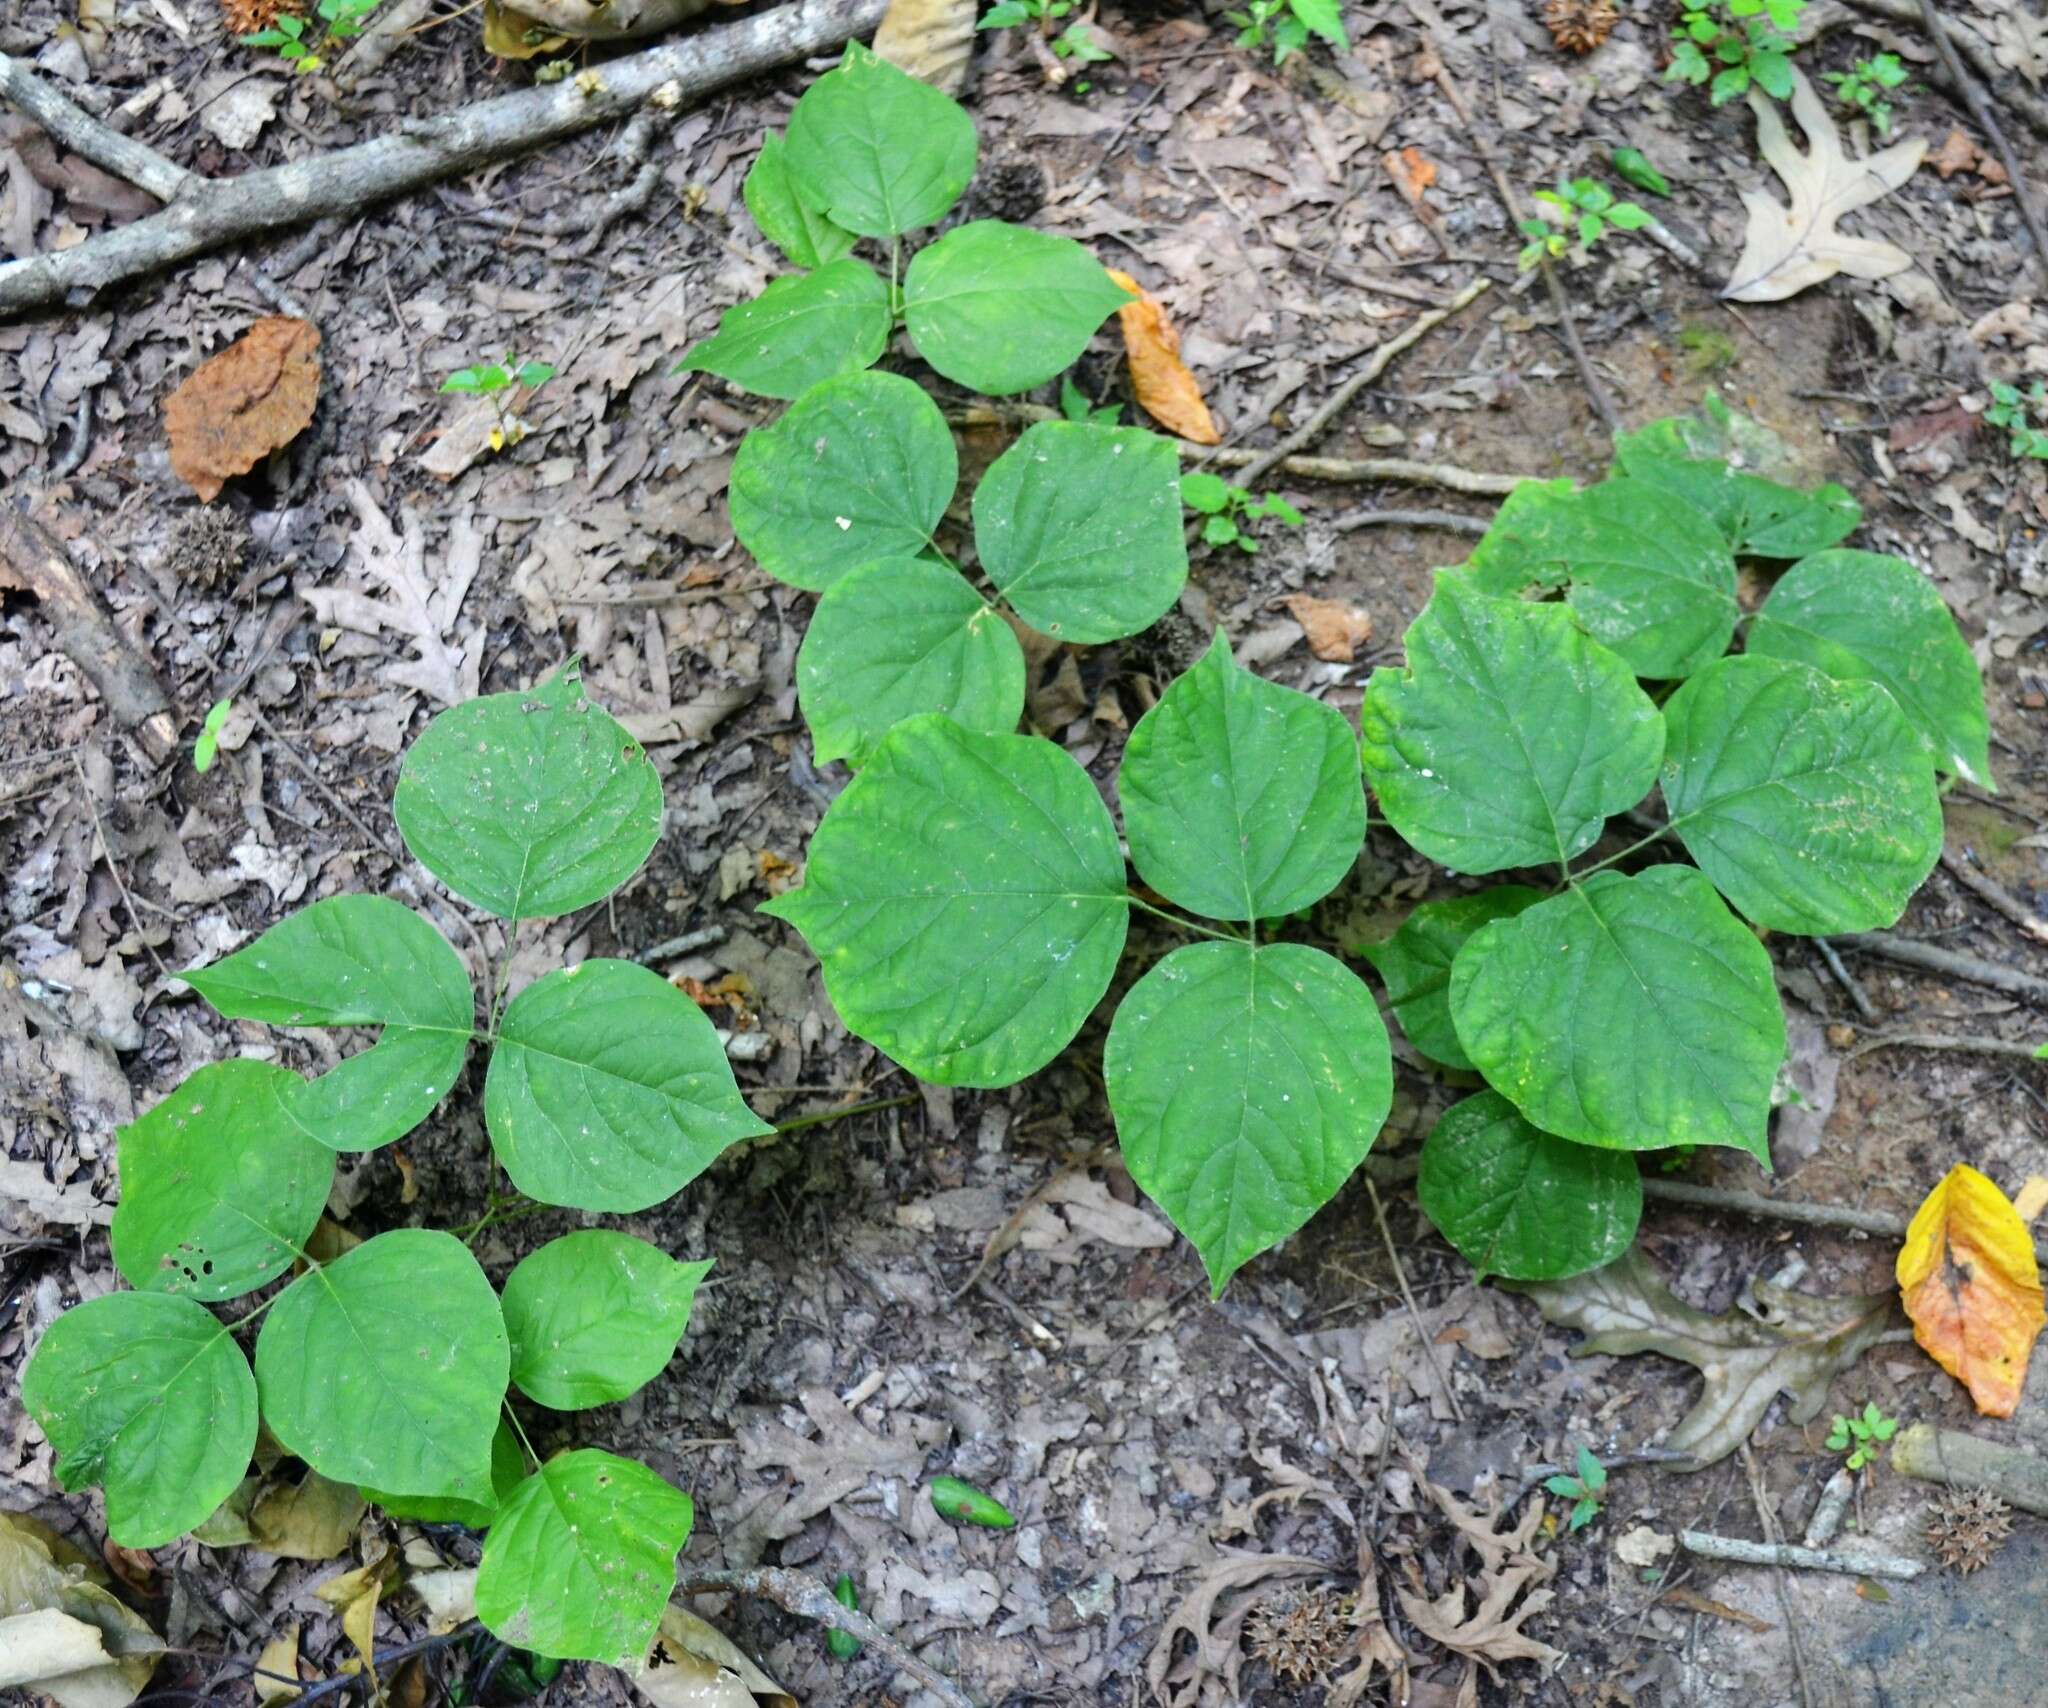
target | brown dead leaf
x=695, y=1665
x=1507, y=1592
x=1694, y=1602
x=1335, y=630
x=931, y=39
x=1160, y=380
x=509, y=34
x=356, y=1594
x=234, y=409
x=1958, y=153
x=1180, y=1681
x=132, y=1566
x=1412, y=172
x=310, y=1520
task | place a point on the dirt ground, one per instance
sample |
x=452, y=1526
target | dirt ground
x=1163, y=1453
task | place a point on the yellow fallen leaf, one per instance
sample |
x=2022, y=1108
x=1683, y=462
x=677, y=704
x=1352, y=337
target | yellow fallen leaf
x=1164, y=387
x=357, y=1593
x=2033, y=1197
x=278, y=1662
x=1968, y=1279
x=694, y=1665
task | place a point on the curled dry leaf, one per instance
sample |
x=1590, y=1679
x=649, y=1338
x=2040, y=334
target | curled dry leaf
x=695, y=1665
x=1335, y=630
x=1507, y=1591
x=1968, y=1279
x=62, y=1633
x=1185, y=1680
x=931, y=39
x=1164, y=387
x=237, y=407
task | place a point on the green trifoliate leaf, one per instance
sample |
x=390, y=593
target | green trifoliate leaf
x=1756, y=517
x=878, y=151
x=595, y=1316
x=508, y=1470
x=1001, y=308
x=900, y=637
x=1523, y=1203
x=1079, y=527
x=1241, y=798
x=1247, y=1085
x=220, y=1185
x=1809, y=802
x=1632, y=1013
x=861, y=468
x=530, y=804
x=1862, y=617
x=387, y=1366
x=582, y=1559
x=1509, y=738
x=799, y=331
x=149, y=1398
x=965, y=899
x=1648, y=575
x=609, y=1089
x=1416, y=964
x=357, y=961
x=789, y=222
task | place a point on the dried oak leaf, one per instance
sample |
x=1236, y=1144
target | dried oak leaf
x=1180, y=1680
x=1968, y=1279
x=1796, y=1343
x=1489, y=1633
x=1786, y=249
x=236, y=408
x=1164, y=387
x=1334, y=629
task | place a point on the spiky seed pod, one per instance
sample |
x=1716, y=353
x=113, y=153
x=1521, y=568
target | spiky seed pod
x=1579, y=26
x=1303, y=1636
x=249, y=17
x=1966, y=1527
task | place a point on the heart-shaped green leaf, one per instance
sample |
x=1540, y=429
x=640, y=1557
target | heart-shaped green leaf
x=1757, y=517
x=357, y=961
x=1247, y=1085
x=220, y=1185
x=1649, y=575
x=508, y=1471
x=878, y=151
x=609, y=1089
x=1416, y=962
x=387, y=1366
x=595, y=1316
x=148, y=1397
x=789, y=222
x=901, y=637
x=531, y=804
x=1241, y=798
x=1862, y=617
x=861, y=468
x=965, y=899
x=1522, y=1203
x=1811, y=803
x=582, y=1559
x=799, y=331
x=1634, y=1013
x=1001, y=308
x=1509, y=738
x=1079, y=527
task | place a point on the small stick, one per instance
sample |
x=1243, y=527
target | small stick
x=702, y=938
x=1965, y=1043
x=1987, y=122
x=1963, y=1461
x=1994, y=895
x=1845, y=978
x=1442, y=519
x=1400, y=470
x=1379, y=1215
x=1741, y=1551
x=1931, y=958
x=1376, y=364
x=327, y=792
x=1830, y=1509
x=120, y=883
x=800, y=1593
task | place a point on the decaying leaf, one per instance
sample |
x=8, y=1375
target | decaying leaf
x=1488, y=1631
x=313, y=1519
x=234, y=409
x=1412, y=172
x=278, y=1663
x=1160, y=380
x=1796, y=1343
x=1334, y=629
x=931, y=39
x=694, y=1665
x=448, y=1593
x=1200, y=1677
x=62, y=1633
x=356, y=1593
x=1968, y=1279
x=1786, y=249
x=513, y=35
x=1378, y=1649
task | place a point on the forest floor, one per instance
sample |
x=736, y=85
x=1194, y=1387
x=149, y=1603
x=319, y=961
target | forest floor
x=1161, y=1450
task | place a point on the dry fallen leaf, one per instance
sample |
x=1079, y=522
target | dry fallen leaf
x=695, y=1665
x=278, y=1662
x=62, y=1633
x=1412, y=172
x=1159, y=378
x=931, y=39
x=1335, y=630
x=1969, y=1281
x=1958, y=153
x=313, y=1519
x=1786, y=249
x=1183, y=1680
x=2032, y=1197
x=237, y=407
x=511, y=34
x=357, y=1593
x=1510, y=1571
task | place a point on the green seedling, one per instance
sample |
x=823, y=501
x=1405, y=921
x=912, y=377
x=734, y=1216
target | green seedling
x=303, y=43
x=1632, y=166
x=2020, y=414
x=1075, y=41
x=1579, y=210
x=1074, y=406
x=1228, y=509
x=207, y=747
x=1864, y=88
x=1708, y=350
x=498, y=381
x=1583, y=1491
x=1732, y=45
x=963, y=1503
x=844, y=1645
x=1862, y=1435
x=1287, y=25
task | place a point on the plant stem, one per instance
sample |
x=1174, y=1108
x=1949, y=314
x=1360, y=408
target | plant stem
x=823, y=1116
x=1185, y=924
x=512, y=1417
x=1657, y=835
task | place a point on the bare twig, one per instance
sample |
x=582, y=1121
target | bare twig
x=1767, y=1518
x=92, y=806
x=1422, y=1333
x=669, y=947
x=1741, y=1551
x=1444, y=519
x=803, y=1595
x=1398, y=470
x=70, y=124
x=1729, y=1202
x=1963, y=1043
x=1845, y=978
x=1929, y=957
x=1352, y=276
x=1994, y=895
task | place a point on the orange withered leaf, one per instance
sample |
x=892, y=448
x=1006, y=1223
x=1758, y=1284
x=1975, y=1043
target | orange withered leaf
x=237, y=407
x=1165, y=388
x=1968, y=1279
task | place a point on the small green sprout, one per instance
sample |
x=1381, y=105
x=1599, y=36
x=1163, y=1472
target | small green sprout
x=493, y=380
x=1288, y=24
x=207, y=747
x=1583, y=1491
x=843, y=1645
x=2019, y=413
x=1862, y=1435
x=1632, y=166
x=1730, y=45
x=1074, y=42
x=1229, y=507
x=963, y=1503
x=1863, y=87
x=302, y=42
x=1074, y=406
x=1581, y=207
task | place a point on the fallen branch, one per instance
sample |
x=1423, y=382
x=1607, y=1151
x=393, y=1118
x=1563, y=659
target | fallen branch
x=1929, y=957
x=1443, y=519
x=209, y=213
x=1743, y=1552
x=70, y=124
x=2016, y=1476
x=1349, y=470
x=1964, y=1043
x=1775, y=1209
x=1994, y=895
x=801, y=1594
